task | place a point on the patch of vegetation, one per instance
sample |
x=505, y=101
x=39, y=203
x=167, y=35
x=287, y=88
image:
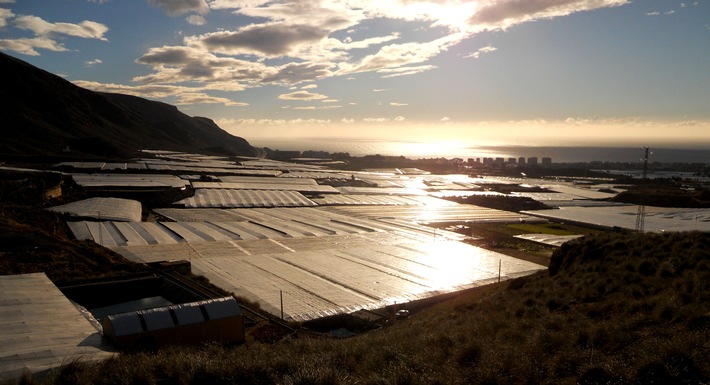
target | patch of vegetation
x=550, y=228
x=28, y=248
x=673, y=195
x=507, y=203
x=614, y=309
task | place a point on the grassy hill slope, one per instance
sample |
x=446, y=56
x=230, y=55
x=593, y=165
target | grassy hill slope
x=613, y=309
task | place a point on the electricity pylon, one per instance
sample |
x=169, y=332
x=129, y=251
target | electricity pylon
x=641, y=214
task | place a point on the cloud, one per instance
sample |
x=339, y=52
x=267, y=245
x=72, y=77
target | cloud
x=29, y=46
x=271, y=40
x=7, y=1
x=181, y=7
x=399, y=119
x=179, y=64
x=347, y=121
x=327, y=15
x=656, y=13
x=302, y=95
x=46, y=33
x=271, y=122
x=196, y=20
x=92, y=63
x=180, y=94
x=375, y=120
x=392, y=58
x=299, y=72
x=309, y=87
x=477, y=54
x=501, y=14
x=312, y=108
x=393, y=104
x=85, y=29
x=187, y=98
x=403, y=71
x=5, y=14
x=289, y=43
x=445, y=119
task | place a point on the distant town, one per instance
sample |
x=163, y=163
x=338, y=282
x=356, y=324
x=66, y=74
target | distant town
x=531, y=166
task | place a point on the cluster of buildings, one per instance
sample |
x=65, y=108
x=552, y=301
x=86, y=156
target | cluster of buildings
x=521, y=161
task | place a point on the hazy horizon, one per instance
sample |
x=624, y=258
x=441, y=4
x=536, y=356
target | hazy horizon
x=559, y=154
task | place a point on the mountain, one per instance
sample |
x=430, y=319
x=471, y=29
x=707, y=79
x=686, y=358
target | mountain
x=45, y=115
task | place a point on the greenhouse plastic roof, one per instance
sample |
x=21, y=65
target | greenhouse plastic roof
x=129, y=180
x=328, y=275
x=547, y=239
x=197, y=226
x=115, y=209
x=40, y=328
x=447, y=213
x=205, y=198
x=657, y=219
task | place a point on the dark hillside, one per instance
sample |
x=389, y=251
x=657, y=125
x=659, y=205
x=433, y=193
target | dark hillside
x=614, y=309
x=45, y=115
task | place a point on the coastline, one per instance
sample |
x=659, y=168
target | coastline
x=422, y=150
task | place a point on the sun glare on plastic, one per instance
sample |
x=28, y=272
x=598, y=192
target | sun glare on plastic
x=447, y=264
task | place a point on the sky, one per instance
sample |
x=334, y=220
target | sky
x=513, y=72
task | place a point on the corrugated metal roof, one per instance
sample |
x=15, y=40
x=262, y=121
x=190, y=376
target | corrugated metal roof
x=221, y=308
x=187, y=314
x=156, y=319
x=115, y=209
x=125, y=324
x=40, y=328
x=245, y=198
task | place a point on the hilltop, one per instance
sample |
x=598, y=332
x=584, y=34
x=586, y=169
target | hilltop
x=44, y=115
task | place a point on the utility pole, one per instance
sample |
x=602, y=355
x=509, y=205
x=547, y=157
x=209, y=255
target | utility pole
x=641, y=214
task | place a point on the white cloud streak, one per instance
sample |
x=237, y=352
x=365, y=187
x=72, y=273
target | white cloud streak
x=477, y=54
x=302, y=95
x=85, y=29
x=46, y=33
x=92, y=63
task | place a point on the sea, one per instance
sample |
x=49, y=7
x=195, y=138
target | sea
x=451, y=150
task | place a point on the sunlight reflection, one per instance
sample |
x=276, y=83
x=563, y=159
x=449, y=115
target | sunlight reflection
x=448, y=264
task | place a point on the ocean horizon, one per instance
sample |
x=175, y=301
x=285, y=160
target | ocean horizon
x=421, y=150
